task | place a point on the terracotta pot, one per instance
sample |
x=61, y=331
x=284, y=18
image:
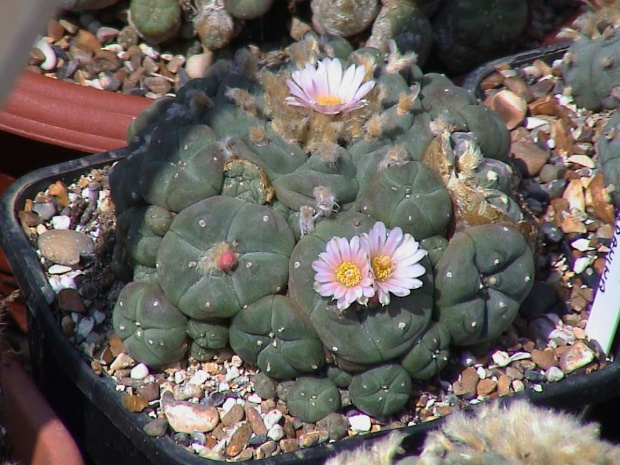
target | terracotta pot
x=69, y=115
x=37, y=435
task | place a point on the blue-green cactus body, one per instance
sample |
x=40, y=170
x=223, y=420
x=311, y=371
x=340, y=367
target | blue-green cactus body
x=188, y=271
x=608, y=149
x=181, y=166
x=153, y=330
x=381, y=390
x=271, y=333
x=311, y=398
x=430, y=353
x=480, y=282
x=206, y=337
x=411, y=197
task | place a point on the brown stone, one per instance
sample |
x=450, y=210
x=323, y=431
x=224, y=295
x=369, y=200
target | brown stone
x=289, y=445
x=599, y=201
x=529, y=157
x=544, y=105
x=234, y=415
x=187, y=417
x=266, y=450
x=239, y=440
x=503, y=385
x=69, y=300
x=466, y=384
x=87, y=39
x=575, y=196
x=255, y=420
x=576, y=356
x=60, y=192
x=514, y=373
x=510, y=107
x=545, y=359
x=158, y=84
x=541, y=87
x=517, y=85
x=572, y=224
x=55, y=30
x=492, y=81
x=486, y=387
x=65, y=246
x=150, y=391
x=134, y=403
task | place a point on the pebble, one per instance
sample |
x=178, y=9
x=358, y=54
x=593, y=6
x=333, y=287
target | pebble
x=233, y=416
x=199, y=377
x=289, y=445
x=197, y=65
x=272, y=418
x=500, y=358
x=140, y=371
x=509, y=107
x=313, y=438
x=156, y=428
x=239, y=440
x=187, y=391
x=134, y=403
x=576, y=356
x=529, y=157
x=69, y=300
x=545, y=359
x=255, y=420
x=187, y=417
x=360, y=422
x=465, y=386
x=276, y=432
x=65, y=246
x=266, y=450
x=554, y=374
x=150, y=391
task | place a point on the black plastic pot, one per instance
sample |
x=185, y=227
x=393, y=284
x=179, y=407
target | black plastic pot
x=548, y=54
x=92, y=408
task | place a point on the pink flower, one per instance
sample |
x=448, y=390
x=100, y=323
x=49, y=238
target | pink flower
x=343, y=271
x=325, y=89
x=394, y=259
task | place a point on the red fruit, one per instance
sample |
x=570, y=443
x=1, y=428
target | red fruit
x=227, y=261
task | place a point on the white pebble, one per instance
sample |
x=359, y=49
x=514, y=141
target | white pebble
x=99, y=316
x=500, y=358
x=582, y=160
x=275, y=433
x=85, y=326
x=140, y=371
x=254, y=398
x=360, y=423
x=232, y=373
x=482, y=373
x=50, y=57
x=272, y=418
x=199, y=378
x=196, y=66
x=554, y=374
x=533, y=122
x=61, y=222
x=520, y=356
x=228, y=404
x=581, y=264
x=179, y=377
x=59, y=269
x=581, y=244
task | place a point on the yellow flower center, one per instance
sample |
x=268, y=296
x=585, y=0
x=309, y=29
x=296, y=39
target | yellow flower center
x=382, y=266
x=329, y=99
x=348, y=274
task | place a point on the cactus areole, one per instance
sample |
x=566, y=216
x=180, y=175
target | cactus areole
x=318, y=217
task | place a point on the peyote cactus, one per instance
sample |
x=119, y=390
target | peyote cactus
x=589, y=66
x=155, y=20
x=281, y=221
x=608, y=148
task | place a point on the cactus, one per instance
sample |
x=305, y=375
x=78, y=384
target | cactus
x=343, y=18
x=381, y=390
x=480, y=282
x=222, y=253
x=608, y=149
x=280, y=221
x=82, y=5
x=213, y=24
x=591, y=70
x=206, y=337
x=247, y=9
x=470, y=33
x=271, y=333
x=152, y=329
x=155, y=20
x=312, y=398
x=430, y=353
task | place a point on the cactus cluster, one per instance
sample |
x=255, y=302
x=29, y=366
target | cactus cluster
x=462, y=35
x=237, y=201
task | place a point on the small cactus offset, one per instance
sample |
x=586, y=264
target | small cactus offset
x=311, y=208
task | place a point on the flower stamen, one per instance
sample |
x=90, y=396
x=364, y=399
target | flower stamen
x=382, y=267
x=328, y=99
x=348, y=274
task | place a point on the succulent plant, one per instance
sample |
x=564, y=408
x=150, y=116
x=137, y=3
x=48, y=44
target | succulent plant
x=153, y=330
x=343, y=18
x=590, y=68
x=470, y=33
x=312, y=398
x=382, y=390
x=271, y=333
x=278, y=210
x=608, y=149
x=480, y=281
x=155, y=20
x=82, y=5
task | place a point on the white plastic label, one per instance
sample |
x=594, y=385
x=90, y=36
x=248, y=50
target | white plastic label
x=605, y=312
